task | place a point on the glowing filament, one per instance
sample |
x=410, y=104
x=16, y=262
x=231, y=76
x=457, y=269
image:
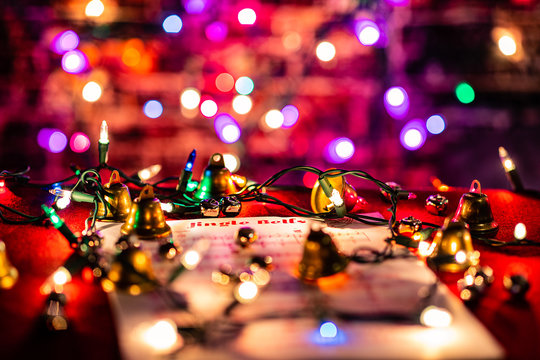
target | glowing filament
x=149, y=172
x=104, y=133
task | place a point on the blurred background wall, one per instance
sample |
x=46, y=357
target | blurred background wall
x=403, y=89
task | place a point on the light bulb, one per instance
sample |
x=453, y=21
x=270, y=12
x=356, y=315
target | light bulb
x=336, y=198
x=246, y=291
x=104, y=133
x=191, y=259
x=149, y=172
x=506, y=160
x=520, y=231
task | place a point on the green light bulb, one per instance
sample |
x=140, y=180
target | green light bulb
x=465, y=93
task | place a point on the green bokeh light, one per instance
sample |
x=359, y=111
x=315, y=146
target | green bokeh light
x=465, y=93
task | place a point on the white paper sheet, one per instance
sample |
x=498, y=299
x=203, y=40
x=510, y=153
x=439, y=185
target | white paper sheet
x=279, y=324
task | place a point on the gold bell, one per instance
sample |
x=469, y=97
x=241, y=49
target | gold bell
x=119, y=199
x=216, y=180
x=8, y=273
x=453, y=250
x=321, y=203
x=146, y=218
x=131, y=271
x=475, y=211
x=321, y=257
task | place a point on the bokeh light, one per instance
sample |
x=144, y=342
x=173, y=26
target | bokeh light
x=247, y=291
x=507, y=45
x=367, y=32
x=52, y=140
x=339, y=150
x=242, y=104
x=190, y=98
x=309, y=179
x=328, y=330
x=74, y=62
x=274, y=119
x=290, y=115
x=216, y=31
x=397, y=2
x=153, y=109
x=244, y=85
x=435, y=124
x=94, y=8
x=227, y=129
x=232, y=162
x=413, y=135
x=172, y=24
x=162, y=335
x=65, y=41
x=57, y=142
x=247, y=16
x=291, y=40
x=396, y=102
x=79, y=142
x=91, y=92
x=465, y=93
x=194, y=6
x=433, y=316
x=325, y=51
x=209, y=108
x=224, y=82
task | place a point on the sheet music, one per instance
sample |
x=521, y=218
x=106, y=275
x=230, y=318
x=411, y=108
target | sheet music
x=282, y=309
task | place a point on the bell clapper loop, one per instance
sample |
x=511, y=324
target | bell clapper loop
x=475, y=187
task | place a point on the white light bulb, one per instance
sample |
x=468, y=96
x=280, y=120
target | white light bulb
x=520, y=231
x=104, y=133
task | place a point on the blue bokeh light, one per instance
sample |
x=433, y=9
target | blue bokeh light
x=244, y=85
x=435, y=124
x=172, y=24
x=153, y=109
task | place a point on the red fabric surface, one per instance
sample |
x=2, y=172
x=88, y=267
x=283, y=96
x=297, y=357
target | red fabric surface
x=36, y=251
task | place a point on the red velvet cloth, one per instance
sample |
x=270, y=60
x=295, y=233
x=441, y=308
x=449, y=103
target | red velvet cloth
x=36, y=251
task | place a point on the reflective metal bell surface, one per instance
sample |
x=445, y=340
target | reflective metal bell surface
x=8, y=273
x=119, y=200
x=146, y=218
x=131, y=271
x=320, y=203
x=454, y=250
x=216, y=180
x=474, y=209
x=321, y=257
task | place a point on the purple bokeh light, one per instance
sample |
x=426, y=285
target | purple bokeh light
x=396, y=102
x=227, y=129
x=290, y=115
x=397, y=2
x=413, y=135
x=194, y=6
x=74, y=62
x=52, y=140
x=65, y=41
x=367, y=32
x=339, y=150
x=216, y=31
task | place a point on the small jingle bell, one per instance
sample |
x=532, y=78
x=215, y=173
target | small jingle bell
x=408, y=226
x=230, y=206
x=436, y=204
x=216, y=180
x=117, y=198
x=245, y=236
x=146, y=218
x=321, y=257
x=8, y=273
x=54, y=316
x=343, y=196
x=475, y=211
x=453, y=251
x=209, y=207
x=131, y=271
